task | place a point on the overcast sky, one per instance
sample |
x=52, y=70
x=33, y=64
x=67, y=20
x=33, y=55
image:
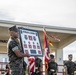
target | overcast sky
x=47, y=12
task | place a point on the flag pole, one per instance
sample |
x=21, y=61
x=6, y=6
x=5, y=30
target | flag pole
x=46, y=52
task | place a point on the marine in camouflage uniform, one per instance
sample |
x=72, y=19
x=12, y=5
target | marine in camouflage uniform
x=70, y=65
x=15, y=53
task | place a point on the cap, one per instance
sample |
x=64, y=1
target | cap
x=69, y=55
x=51, y=55
x=13, y=28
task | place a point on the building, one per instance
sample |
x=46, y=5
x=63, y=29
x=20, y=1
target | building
x=66, y=35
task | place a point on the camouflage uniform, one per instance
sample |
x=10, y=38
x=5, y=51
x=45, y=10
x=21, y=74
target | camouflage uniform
x=70, y=67
x=15, y=63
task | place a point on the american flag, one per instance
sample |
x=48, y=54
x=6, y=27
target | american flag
x=46, y=53
x=31, y=61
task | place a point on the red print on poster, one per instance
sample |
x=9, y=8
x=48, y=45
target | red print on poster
x=38, y=47
x=34, y=46
x=25, y=45
x=30, y=46
x=39, y=52
x=26, y=51
x=30, y=37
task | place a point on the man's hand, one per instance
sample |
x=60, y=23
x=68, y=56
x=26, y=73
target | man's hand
x=27, y=55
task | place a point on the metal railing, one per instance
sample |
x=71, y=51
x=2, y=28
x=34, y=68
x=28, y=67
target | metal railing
x=4, y=70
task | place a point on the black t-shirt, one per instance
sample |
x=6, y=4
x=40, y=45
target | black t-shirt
x=38, y=62
x=52, y=65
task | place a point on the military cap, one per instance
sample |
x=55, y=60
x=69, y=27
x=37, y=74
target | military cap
x=69, y=55
x=51, y=55
x=13, y=28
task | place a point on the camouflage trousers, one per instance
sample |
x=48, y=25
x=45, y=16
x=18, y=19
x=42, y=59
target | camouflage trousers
x=20, y=72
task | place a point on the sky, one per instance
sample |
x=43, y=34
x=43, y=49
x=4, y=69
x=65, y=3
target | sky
x=47, y=12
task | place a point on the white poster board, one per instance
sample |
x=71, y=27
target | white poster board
x=30, y=42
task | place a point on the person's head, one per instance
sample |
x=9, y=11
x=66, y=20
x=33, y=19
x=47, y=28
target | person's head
x=36, y=57
x=13, y=31
x=70, y=57
x=52, y=57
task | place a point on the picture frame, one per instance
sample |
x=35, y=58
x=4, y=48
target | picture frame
x=30, y=41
